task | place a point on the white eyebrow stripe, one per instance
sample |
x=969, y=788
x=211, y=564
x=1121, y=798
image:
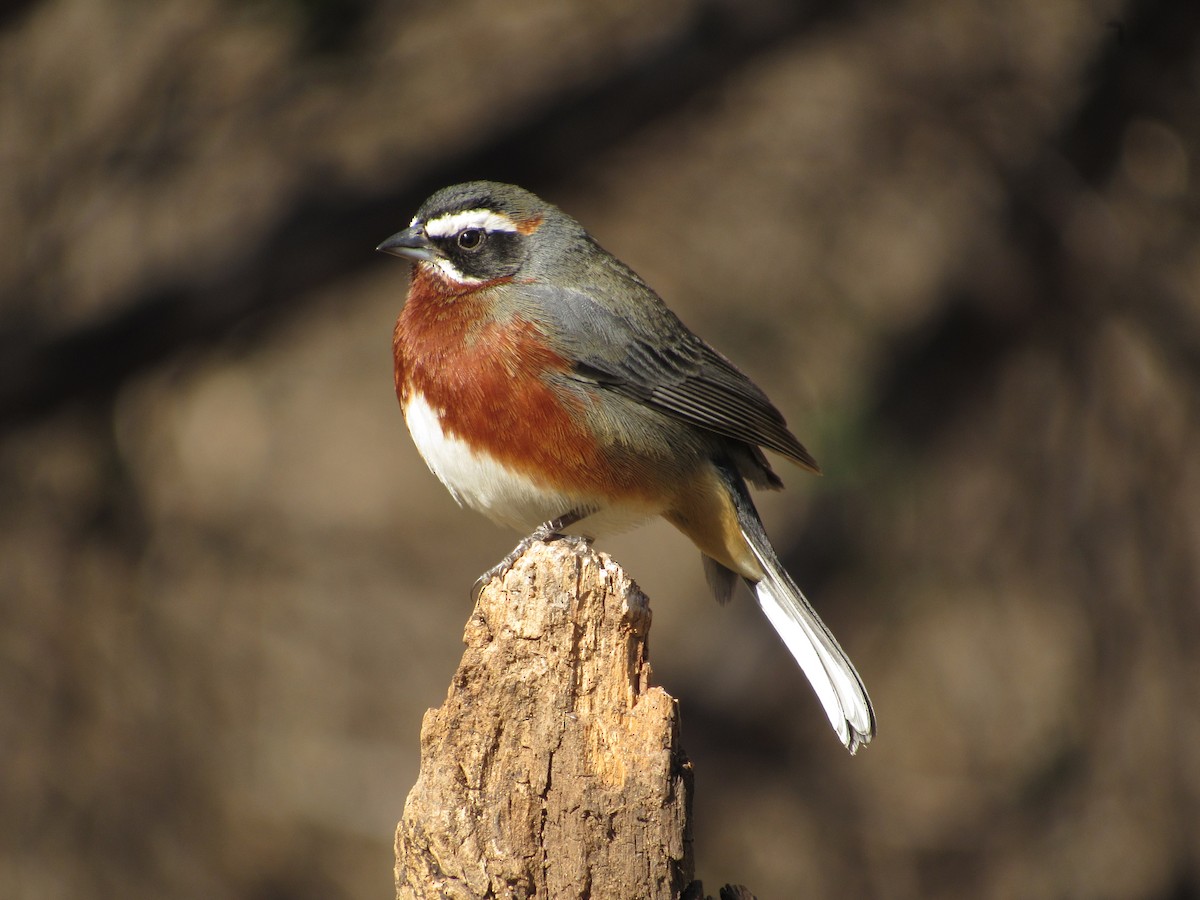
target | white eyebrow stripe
x=452, y=223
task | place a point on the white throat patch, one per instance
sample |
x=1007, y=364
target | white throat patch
x=450, y=271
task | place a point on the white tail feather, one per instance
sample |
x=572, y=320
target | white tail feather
x=829, y=670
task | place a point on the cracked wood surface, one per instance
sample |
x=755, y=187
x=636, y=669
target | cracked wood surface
x=553, y=769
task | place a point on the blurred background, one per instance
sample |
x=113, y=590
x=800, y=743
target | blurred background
x=956, y=241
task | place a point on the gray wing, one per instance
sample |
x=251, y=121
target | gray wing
x=647, y=353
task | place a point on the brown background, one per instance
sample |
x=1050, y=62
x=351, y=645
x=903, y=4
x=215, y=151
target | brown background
x=956, y=241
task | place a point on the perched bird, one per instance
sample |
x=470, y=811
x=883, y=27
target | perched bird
x=551, y=389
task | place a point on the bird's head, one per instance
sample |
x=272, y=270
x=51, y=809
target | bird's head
x=482, y=232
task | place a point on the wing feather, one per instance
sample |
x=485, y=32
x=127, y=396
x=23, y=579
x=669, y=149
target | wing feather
x=644, y=351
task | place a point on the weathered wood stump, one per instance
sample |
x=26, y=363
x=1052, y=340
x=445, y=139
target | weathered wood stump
x=553, y=769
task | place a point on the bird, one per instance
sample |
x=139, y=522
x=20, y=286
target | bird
x=548, y=387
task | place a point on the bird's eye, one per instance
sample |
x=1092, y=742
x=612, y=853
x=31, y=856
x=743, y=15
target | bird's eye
x=470, y=238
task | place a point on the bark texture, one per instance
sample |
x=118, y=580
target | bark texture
x=553, y=769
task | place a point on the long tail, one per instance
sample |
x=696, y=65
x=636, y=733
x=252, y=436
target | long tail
x=829, y=670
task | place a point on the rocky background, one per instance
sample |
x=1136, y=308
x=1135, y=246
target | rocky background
x=956, y=241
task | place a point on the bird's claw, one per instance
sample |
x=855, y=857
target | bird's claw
x=547, y=531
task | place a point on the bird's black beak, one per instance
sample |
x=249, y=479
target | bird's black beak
x=411, y=243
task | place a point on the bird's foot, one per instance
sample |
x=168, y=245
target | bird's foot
x=547, y=531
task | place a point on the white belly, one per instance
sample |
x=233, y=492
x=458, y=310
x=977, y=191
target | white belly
x=477, y=480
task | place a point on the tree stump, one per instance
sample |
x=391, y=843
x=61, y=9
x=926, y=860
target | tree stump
x=553, y=769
